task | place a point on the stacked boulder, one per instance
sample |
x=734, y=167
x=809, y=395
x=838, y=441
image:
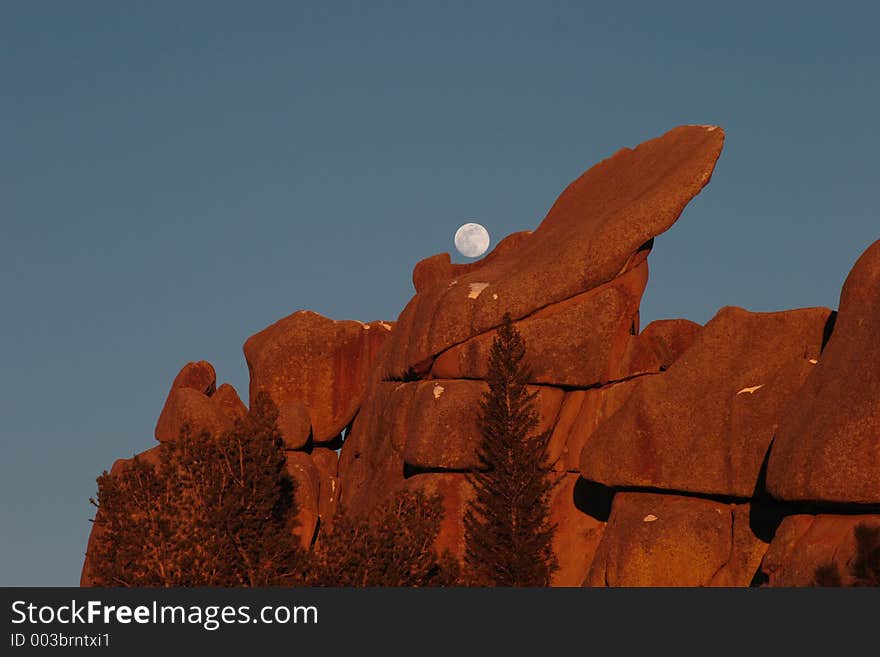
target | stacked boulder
x=315, y=370
x=826, y=456
x=684, y=453
x=572, y=288
x=735, y=453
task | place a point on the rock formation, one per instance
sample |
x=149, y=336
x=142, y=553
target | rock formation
x=740, y=452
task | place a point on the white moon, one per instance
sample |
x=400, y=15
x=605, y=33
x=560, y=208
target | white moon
x=472, y=240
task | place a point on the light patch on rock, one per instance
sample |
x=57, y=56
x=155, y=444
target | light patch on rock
x=438, y=390
x=813, y=361
x=649, y=518
x=452, y=283
x=476, y=289
x=495, y=296
x=385, y=326
x=751, y=390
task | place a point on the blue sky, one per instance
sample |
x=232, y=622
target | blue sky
x=176, y=176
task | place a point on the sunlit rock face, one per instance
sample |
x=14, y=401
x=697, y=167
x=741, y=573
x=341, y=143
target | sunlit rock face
x=596, y=230
x=737, y=453
x=313, y=364
x=828, y=445
x=193, y=402
x=573, y=288
x=706, y=424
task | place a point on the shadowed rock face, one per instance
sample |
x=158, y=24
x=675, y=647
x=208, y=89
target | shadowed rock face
x=595, y=228
x=828, y=447
x=309, y=361
x=705, y=425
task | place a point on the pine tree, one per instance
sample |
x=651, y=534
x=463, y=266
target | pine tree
x=392, y=546
x=508, y=534
x=216, y=511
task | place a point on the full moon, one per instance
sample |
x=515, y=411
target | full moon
x=472, y=240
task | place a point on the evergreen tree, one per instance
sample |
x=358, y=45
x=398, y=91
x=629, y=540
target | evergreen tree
x=508, y=534
x=216, y=511
x=392, y=546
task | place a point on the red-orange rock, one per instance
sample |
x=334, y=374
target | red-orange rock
x=326, y=460
x=294, y=423
x=152, y=456
x=578, y=342
x=594, y=229
x=804, y=542
x=229, y=403
x=438, y=427
x=828, y=444
x=575, y=540
x=430, y=424
x=327, y=463
x=439, y=268
x=318, y=362
x=671, y=338
x=198, y=376
x=672, y=540
x=581, y=413
x=308, y=490
x=577, y=534
x=370, y=469
x=659, y=345
x=705, y=424
x=186, y=406
x=455, y=491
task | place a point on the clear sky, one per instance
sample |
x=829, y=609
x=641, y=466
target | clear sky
x=175, y=176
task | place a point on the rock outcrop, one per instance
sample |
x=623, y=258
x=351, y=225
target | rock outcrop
x=579, y=342
x=599, y=228
x=828, y=447
x=314, y=365
x=706, y=424
x=672, y=540
x=227, y=400
x=737, y=453
x=186, y=407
